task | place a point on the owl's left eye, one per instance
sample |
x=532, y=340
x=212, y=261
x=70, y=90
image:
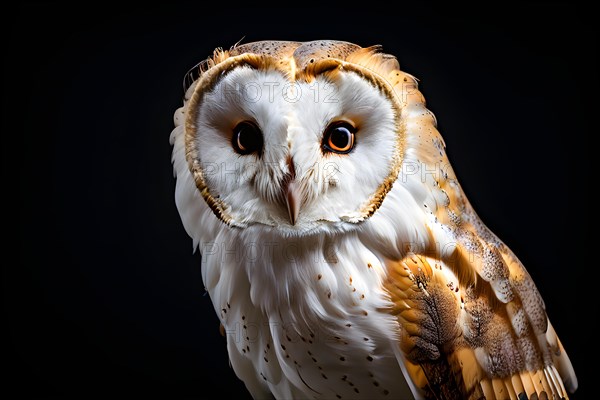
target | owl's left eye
x=339, y=137
x=247, y=138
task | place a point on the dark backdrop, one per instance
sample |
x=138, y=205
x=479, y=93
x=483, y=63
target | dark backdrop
x=105, y=295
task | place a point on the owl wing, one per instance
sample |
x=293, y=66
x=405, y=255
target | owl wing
x=488, y=336
x=473, y=323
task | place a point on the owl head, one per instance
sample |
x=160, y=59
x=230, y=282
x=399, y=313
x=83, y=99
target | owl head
x=300, y=138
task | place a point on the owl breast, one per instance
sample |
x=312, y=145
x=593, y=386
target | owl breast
x=306, y=317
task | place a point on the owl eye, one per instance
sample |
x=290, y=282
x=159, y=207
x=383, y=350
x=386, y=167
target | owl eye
x=339, y=138
x=247, y=138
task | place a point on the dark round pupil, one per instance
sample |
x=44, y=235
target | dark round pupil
x=340, y=137
x=248, y=138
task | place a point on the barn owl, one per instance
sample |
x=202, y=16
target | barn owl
x=338, y=249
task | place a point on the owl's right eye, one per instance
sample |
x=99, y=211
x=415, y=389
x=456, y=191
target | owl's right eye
x=339, y=138
x=247, y=138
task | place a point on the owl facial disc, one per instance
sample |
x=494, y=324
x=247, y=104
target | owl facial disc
x=293, y=136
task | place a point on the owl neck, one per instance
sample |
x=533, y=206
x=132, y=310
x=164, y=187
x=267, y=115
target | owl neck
x=309, y=277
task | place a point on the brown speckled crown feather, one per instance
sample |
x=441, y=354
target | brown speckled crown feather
x=303, y=53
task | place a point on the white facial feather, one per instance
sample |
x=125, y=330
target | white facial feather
x=293, y=119
x=245, y=183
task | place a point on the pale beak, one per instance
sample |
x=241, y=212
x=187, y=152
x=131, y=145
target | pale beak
x=292, y=201
x=291, y=193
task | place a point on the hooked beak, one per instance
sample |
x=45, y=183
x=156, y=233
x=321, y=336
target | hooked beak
x=291, y=193
x=292, y=200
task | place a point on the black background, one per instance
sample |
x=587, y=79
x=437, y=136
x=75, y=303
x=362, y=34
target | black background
x=105, y=295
